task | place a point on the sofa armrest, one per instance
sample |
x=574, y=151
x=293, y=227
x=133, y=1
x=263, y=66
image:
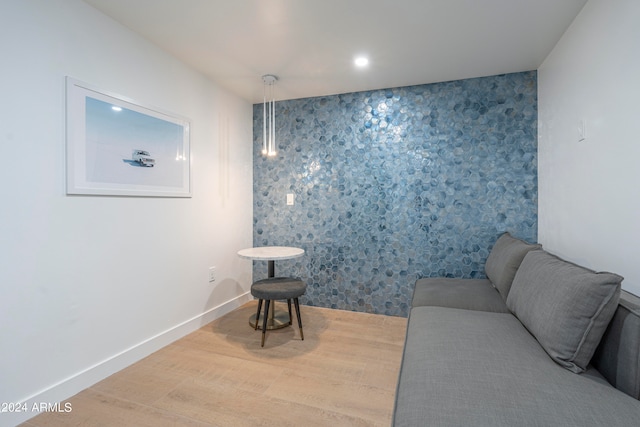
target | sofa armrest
x=617, y=357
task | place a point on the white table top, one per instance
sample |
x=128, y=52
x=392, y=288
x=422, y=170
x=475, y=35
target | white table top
x=271, y=253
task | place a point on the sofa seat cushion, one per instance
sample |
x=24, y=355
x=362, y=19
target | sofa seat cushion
x=470, y=294
x=565, y=306
x=476, y=368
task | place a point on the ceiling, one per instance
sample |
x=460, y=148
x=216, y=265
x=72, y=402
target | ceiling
x=310, y=45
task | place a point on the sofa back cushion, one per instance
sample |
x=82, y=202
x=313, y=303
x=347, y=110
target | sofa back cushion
x=504, y=260
x=565, y=306
x=618, y=355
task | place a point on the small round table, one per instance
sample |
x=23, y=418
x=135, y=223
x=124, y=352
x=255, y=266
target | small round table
x=277, y=319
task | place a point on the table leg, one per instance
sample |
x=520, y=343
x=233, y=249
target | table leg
x=277, y=319
x=271, y=268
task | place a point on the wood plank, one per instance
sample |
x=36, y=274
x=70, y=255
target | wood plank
x=344, y=373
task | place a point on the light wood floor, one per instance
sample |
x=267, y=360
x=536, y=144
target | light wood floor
x=344, y=373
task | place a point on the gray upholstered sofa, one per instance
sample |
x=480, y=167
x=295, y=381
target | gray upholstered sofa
x=541, y=342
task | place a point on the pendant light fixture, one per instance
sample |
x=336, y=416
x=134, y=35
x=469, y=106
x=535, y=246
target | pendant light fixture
x=269, y=116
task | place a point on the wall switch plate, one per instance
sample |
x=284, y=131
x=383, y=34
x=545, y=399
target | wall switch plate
x=212, y=274
x=290, y=199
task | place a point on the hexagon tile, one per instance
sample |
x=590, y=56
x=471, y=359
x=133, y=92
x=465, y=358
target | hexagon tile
x=397, y=184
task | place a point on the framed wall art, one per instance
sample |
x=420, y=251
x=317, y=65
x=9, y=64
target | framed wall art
x=118, y=147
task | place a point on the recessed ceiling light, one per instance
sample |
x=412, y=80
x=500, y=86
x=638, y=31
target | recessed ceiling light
x=116, y=108
x=361, y=61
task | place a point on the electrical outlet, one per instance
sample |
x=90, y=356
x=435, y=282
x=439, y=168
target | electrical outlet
x=212, y=274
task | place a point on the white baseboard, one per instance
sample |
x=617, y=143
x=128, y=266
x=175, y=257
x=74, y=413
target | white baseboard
x=88, y=377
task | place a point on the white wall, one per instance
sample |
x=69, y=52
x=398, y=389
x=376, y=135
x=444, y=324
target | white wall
x=90, y=284
x=589, y=191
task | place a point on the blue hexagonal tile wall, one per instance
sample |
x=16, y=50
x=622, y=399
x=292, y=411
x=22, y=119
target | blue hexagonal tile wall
x=397, y=184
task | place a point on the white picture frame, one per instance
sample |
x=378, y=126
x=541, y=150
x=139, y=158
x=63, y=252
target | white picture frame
x=118, y=147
